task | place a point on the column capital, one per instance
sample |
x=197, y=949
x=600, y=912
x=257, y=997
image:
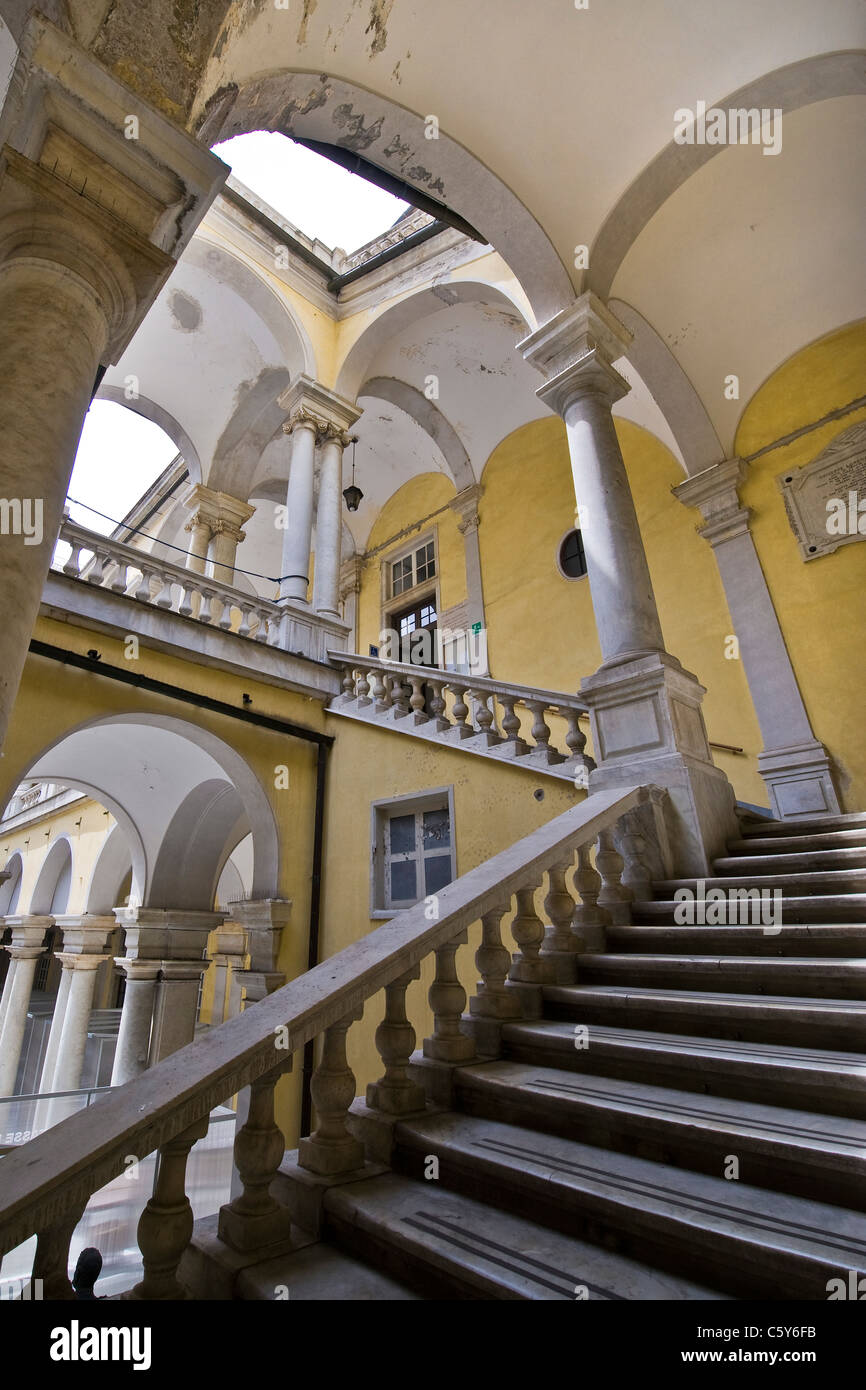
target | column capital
x=465, y=504
x=116, y=212
x=134, y=968
x=575, y=350
x=351, y=572
x=263, y=920
x=308, y=403
x=85, y=933
x=714, y=491
x=28, y=931
x=163, y=933
x=219, y=511
x=73, y=960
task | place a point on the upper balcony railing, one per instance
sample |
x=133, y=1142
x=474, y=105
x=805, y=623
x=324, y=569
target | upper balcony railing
x=136, y=574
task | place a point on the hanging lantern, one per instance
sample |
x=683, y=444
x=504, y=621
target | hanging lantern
x=352, y=493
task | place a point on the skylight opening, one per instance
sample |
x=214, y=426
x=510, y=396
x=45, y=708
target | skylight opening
x=322, y=200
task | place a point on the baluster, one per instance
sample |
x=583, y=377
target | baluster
x=615, y=897
x=484, y=718
x=493, y=998
x=576, y=739
x=165, y=1225
x=363, y=688
x=388, y=681
x=247, y=615
x=377, y=690
x=73, y=564
x=332, y=1149
x=400, y=697
x=437, y=707
x=254, y=1219
x=261, y=632
x=448, y=1000
x=51, y=1262
x=185, y=607
x=348, y=684
x=142, y=588
x=418, y=700
x=99, y=569
x=459, y=711
x=516, y=745
x=542, y=752
x=119, y=583
x=589, y=919
x=395, y=1093
x=559, y=906
x=225, y=619
x=208, y=599
x=162, y=596
x=527, y=929
x=633, y=845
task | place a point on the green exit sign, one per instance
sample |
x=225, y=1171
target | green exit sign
x=476, y=627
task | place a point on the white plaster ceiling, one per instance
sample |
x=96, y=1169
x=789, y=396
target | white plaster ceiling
x=756, y=255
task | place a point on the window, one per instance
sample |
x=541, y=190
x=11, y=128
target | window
x=572, y=558
x=413, y=851
x=412, y=569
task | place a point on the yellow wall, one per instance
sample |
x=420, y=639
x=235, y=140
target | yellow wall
x=820, y=603
x=494, y=805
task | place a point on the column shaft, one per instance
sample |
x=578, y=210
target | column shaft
x=50, y=1062
x=299, y=506
x=326, y=581
x=15, y=1021
x=73, y=1038
x=133, y=1038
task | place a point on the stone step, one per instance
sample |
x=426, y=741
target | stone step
x=837, y=881
x=818, y=825
x=792, y=844
x=846, y=908
x=829, y=1082
x=453, y=1247
x=323, y=1273
x=730, y=1235
x=801, y=861
x=815, y=1156
x=823, y=939
x=836, y=1023
x=796, y=975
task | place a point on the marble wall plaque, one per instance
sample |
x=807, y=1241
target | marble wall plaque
x=839, y=472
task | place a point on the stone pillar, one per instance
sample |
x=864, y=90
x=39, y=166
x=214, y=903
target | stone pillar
x=645, y=709
x=314, y=414
x=77, y=275
x=794, y=765
x=227, y=961
x=215, y=534
x=350, y=589
x=465, y=504
x=165, y=955
x=28, y=936
x=329, y=524
x=136, y=1019
x=85, y=937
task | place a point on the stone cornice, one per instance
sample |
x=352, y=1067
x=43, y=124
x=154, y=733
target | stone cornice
x=575, y=351
x=714, y=492
x=307, y=402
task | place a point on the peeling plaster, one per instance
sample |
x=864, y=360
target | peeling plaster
x=358, y=136
x=309, y=11
x=185, y=311
x=379, y=12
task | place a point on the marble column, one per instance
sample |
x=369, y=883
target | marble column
x=77, y=275
x=645, y=709
x=297, y=541
x=28, y=937
x=350, y=589
x=465, y=504
x=329, y=524
x=215, y=531
x=85, y=937
x=227, y=960
x=794, y=765
x=164, y=954
x=136, y=1018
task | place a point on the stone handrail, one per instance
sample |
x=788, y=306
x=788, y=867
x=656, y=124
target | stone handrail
x=390, y=691
x=47, y=1183
x=136, y=574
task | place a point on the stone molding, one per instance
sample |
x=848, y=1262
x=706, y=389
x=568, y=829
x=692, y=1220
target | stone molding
x=309, y=404
x=838, y=470
x=575, y=351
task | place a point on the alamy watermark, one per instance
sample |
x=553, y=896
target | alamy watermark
x=739, y=126
x=846, y=516
x=22, y=516
x=439, y=647
x=729, y=907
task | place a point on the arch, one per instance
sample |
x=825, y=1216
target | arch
x=255, y=422
x=428, y=415
x=113, y=866
x=51, y=891
x=108, y=757
x=337, y=112
x=150, y=410
x=10, y=889
x=198, y=841
x=674, y=394
x=799, y=84
x=412, y=309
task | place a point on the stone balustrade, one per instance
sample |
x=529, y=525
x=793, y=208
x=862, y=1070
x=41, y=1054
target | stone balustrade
x=136, y=574
x=47, y=1184
x=436, y=701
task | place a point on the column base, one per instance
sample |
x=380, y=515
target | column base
x=648, y=730
x=800, y=780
